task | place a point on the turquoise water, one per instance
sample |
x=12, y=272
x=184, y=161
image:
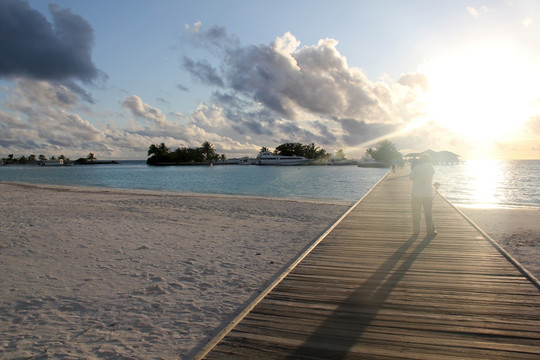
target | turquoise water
x=343, y=183
x=481, y=183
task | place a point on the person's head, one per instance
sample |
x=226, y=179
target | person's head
x=425, y=158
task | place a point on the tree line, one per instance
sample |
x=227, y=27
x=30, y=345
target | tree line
x=161, y=154
x=310, y=151
x=385, y=151
x=33, y=159
x=30, y=159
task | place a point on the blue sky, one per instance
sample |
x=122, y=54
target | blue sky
x=113, y=77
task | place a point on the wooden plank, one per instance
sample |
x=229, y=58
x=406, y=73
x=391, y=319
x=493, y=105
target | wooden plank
x=368, y=289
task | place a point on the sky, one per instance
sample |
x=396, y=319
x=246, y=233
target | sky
x=113, y=77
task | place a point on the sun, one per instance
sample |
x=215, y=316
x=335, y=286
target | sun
x=483, y=94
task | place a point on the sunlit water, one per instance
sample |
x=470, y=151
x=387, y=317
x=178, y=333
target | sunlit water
x=491, y=183
x=475, y=183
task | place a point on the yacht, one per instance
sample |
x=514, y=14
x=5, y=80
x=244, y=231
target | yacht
x=267, y=158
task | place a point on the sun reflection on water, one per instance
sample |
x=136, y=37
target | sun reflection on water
x=485, y=178
x=479, y=183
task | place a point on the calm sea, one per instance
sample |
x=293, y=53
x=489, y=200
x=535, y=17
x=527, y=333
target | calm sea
x=491, y=183
x=482, y=183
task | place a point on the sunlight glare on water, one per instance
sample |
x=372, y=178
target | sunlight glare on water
x=485, y=178
x=490, y=183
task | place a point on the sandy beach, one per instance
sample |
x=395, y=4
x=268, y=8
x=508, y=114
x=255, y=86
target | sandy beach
x=100, y=273
x=517, y=230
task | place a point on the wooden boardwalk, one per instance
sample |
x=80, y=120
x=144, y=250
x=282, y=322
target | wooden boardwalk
x=370, y=290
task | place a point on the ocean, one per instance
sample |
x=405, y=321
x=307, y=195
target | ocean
x=491, y=183
x=474, y=183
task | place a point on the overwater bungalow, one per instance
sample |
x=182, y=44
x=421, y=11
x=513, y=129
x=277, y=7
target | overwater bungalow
x=440, y=157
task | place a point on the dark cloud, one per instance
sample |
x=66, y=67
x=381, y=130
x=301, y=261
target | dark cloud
x=181, y=87
x=203, y=71
x=326, y=137
x=359, y=132
x=32, y=47
x=264, y=75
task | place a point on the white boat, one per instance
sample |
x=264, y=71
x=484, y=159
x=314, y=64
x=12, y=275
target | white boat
x=247, y=161
x=54, y=162
x=267, y=158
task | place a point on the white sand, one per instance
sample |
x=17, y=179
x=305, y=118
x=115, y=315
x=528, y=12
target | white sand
x=516, y=230
x=97, y=273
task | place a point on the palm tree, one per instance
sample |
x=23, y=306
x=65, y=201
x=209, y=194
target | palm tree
x=91, y=157
x=207, y=149
x=385, y=151
x=158, y=149
x=153, y=150
x=340, y=155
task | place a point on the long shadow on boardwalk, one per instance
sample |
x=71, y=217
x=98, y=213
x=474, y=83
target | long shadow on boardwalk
x=356, y=312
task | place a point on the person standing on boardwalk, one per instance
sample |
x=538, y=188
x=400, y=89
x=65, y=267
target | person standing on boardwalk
x=422, y=195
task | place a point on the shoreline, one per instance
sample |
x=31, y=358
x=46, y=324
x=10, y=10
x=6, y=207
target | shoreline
x=145, y=192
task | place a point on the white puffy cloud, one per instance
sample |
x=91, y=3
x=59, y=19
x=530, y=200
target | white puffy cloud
x=47, y=118
x=41, y=118
x=139, y=109
x=287, y=92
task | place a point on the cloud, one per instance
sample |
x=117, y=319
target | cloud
x=44, y=117
x=215, y=37
x=203, y=71
x=181, y=87
x=262, y=95
x=359, y=132
x=139, y=109
x=475, y=12
x=413, y=80
x=41, y=118
x=472, y=11
x=293, y=81
x=32, y=47
x=284, y=91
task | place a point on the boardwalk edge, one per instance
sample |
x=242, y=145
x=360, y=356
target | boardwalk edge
x=499, y=248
